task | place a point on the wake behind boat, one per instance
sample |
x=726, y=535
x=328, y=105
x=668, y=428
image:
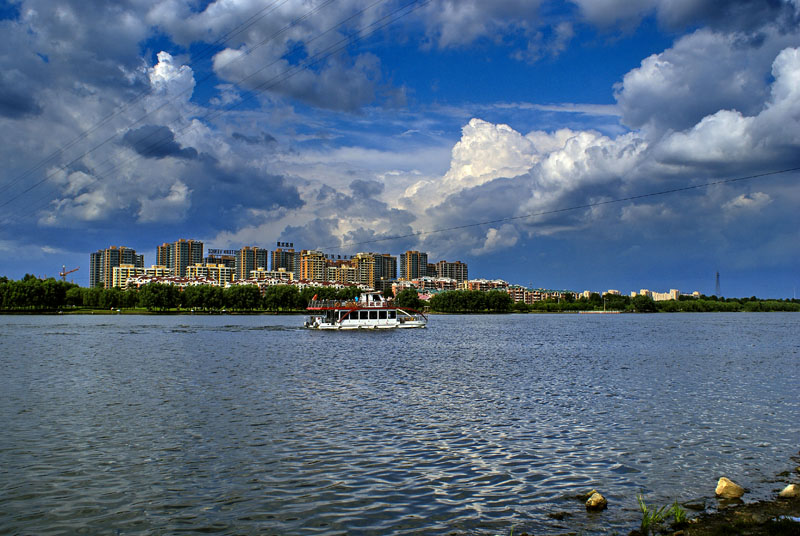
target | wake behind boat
x=369, y=311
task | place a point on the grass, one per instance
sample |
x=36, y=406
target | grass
x=652, y=518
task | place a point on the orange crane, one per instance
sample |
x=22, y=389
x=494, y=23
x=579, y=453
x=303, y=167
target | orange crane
x=64, y=272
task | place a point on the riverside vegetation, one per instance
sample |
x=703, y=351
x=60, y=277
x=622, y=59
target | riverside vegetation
x=32, y=294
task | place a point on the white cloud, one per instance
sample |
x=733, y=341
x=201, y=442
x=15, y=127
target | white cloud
x=754, y=201
x=171, y=207
x=729, y=137
x=501, y=238
x=702, y=73
x=170, y=80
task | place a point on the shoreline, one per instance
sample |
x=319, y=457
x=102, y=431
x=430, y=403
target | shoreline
x=766, y=517
x=143, y=312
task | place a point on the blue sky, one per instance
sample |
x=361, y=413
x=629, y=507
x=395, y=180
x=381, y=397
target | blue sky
x=245, y=122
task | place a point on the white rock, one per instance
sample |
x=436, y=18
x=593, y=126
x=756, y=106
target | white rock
x=792, y=491
x=728, y=489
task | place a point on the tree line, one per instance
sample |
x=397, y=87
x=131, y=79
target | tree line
x=645, y=304
x=33, y=294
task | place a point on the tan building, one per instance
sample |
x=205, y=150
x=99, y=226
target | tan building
x=179, y=255
x=343, y=273
x=102, y=263
x=122, y=272
x=312, y=265
x=260, y=274
x=219, y=273
x=125, y=272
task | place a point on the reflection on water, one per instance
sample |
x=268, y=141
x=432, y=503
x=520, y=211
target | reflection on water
x=250, y=425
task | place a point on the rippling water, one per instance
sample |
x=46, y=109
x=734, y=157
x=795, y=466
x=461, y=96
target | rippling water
x=249, y=425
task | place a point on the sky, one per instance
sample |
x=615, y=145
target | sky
x=582, y=145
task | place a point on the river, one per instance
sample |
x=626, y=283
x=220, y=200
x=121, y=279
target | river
x=475, y=425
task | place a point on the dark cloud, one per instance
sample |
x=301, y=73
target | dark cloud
x=742, y=15
x=16, y=104
x=366, y=188
x=226, y=196
x=157, y=141
x=261, y=139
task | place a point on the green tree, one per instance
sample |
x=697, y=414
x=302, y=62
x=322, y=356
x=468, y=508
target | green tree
x=643, y=304
x=157, y=296
x=408, y=298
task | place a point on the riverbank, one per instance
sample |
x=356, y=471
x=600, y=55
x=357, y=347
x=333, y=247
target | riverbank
x=767, y=518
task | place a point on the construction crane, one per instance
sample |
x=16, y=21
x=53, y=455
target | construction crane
x=64, y=272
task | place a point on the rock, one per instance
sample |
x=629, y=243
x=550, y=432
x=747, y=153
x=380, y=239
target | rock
x=585, y=496
x=728, y=489
x=698, y=505
x=596, y=503
x=792, y=491
x=559, y=516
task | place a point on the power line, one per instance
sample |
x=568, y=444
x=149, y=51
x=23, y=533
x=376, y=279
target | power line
x=560, y=210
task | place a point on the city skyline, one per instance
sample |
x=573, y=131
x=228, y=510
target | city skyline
x=250, y=265
x=341, y=125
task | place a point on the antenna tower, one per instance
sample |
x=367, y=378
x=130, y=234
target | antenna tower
x=716, y=289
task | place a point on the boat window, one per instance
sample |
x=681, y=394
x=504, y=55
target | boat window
x=373, y=315
x=382, y=315
x=391, y=315
x=364, y=315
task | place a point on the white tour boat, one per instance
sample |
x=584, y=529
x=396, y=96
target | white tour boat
x=370, y=311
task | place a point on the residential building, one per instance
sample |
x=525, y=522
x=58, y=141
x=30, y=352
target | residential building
x=249, y=259
x=218, y=273
x=288, y=259
x=123, y=272
x=312, y=265
x=454, y=270
x=179, y=255
x=281, y=275
x=342, y=273
x=413, y=265
x=227, y=260
x=484, y=284
x=103, y=261
x=96, y=269
x=385, y=267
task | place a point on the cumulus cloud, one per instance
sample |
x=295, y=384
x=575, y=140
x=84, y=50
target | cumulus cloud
x=730, y=138
x=169, y=79
x=499, y=174
x=458, y=22
x=700, y=74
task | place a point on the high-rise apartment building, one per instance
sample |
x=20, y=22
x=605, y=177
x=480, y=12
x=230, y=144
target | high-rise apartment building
x=372, y=268
x=103, y=262
x=385, y=267
x=413, y=265
x=453, y=270
x=249, y=259
x=225, y=260
x=364, y=266
x=312, y=265
x=286, y=258
x=178, y=255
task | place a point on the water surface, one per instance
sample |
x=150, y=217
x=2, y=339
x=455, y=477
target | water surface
x=251, y=425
